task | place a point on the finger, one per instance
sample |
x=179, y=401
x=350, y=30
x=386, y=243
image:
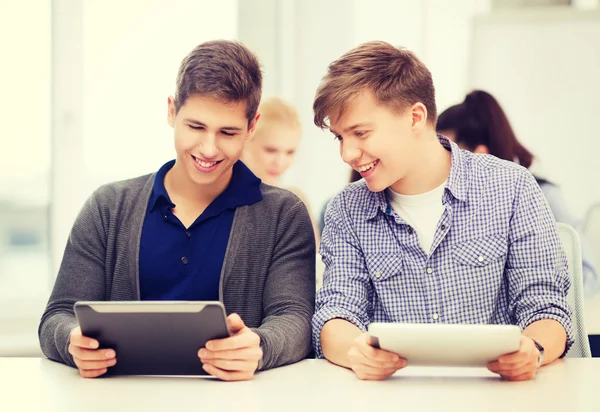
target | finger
x=227, y=376
x=235, y=323
x=82, y=341
x=368, y=376
x=232, y=365
x=523, y=377
x=514, y=366
x=239, y=341
x=517, y=372
x=360, y=359
x=90, y=354
x=370, y=370
x=234, y=354
x=377, y=356
x=517, y=357
x=92, y=373
x=93, y=365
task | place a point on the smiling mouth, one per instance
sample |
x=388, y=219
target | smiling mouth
x=204, y=163
x=367, y=167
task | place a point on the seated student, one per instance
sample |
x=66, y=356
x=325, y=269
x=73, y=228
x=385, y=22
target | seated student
x=432, y=233
x=479, y=124
x=273, y=148
x=202, y=228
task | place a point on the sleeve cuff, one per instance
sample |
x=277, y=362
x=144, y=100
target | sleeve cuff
x=261, y=335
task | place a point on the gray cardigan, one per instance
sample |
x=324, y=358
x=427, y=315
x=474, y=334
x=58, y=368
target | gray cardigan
x=268, y=275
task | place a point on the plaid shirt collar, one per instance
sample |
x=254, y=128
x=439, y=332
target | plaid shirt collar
x=456, y=186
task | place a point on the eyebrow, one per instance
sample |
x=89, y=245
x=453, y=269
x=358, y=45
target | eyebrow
x=199, y=123
x=351, y=128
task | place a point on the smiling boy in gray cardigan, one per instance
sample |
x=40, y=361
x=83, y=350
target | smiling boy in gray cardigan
x=202, y=228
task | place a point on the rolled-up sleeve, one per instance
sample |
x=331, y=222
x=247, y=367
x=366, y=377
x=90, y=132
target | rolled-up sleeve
x=346, y=288
x=536, y=267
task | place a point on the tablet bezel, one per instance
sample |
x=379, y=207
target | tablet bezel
x=153, y=337
x=446, y=344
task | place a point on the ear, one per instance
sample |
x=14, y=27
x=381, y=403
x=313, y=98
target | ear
x=419, y=115
x=171, y=111
x=481, y=149
x=252, y=127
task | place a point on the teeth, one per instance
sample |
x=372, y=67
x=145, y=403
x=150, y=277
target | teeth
x=364, y=168
x=205, y=164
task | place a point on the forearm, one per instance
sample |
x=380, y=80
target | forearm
x=54, y=333
x=551, y=335
x=337, y=336
x=284, y=340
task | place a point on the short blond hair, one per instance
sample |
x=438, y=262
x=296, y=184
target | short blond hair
x=275, y=111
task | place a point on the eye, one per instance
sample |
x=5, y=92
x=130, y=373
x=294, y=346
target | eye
x=228, y=133
x=196, y=127
x=270, y=150
x=360, y=133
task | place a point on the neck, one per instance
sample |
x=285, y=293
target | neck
x=272, y=182
x=430, y=167
x=181, y=187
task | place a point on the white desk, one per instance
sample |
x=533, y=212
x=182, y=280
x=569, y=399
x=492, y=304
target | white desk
x=33, y=384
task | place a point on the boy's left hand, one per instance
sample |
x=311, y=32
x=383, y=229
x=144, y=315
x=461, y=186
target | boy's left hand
x=521, y=365
x=234, y=358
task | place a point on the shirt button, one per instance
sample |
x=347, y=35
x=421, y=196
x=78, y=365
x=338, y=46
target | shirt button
x=429, y=270
x=188, y=233
x=443, y=227
x=378, y=274
x=435, y=316
x=410, y=230
x=184, y=260
x=480, y=258
x=166, y=217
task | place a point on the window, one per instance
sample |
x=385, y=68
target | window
x=25, y=161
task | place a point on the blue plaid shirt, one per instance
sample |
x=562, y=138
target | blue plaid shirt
x=496, y=257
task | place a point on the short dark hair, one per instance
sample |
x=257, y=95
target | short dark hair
x=395, y=75
x=221, y=69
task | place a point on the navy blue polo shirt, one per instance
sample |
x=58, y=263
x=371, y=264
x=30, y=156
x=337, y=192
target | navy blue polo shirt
x=185, y=264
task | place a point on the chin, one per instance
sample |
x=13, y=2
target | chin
x=376, y=186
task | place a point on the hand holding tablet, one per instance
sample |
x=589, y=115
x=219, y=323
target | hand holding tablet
x=446, y=345
x=148, y=338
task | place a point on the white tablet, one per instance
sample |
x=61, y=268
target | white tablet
x=446, y=345
x=153, y=337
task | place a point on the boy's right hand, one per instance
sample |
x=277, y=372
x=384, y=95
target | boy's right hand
x=370, y=363
x=91, y=361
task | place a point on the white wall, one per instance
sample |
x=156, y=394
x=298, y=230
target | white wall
x=25, y=162
x=130, y=70
x=543, y=67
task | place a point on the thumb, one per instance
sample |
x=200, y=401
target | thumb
x=235, y=323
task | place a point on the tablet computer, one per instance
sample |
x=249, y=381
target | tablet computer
x=153, y=337
x=446, y=345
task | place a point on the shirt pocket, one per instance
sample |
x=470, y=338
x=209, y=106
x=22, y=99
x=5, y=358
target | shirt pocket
x=384, y=266
x=480, y=252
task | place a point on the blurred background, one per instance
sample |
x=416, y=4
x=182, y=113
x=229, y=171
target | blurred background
x=84, y=86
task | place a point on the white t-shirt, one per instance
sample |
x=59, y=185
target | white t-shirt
x=422, y=212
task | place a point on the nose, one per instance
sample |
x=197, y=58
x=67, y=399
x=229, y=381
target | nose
x=207, y=146
x=279, y=160
x=349, y=151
